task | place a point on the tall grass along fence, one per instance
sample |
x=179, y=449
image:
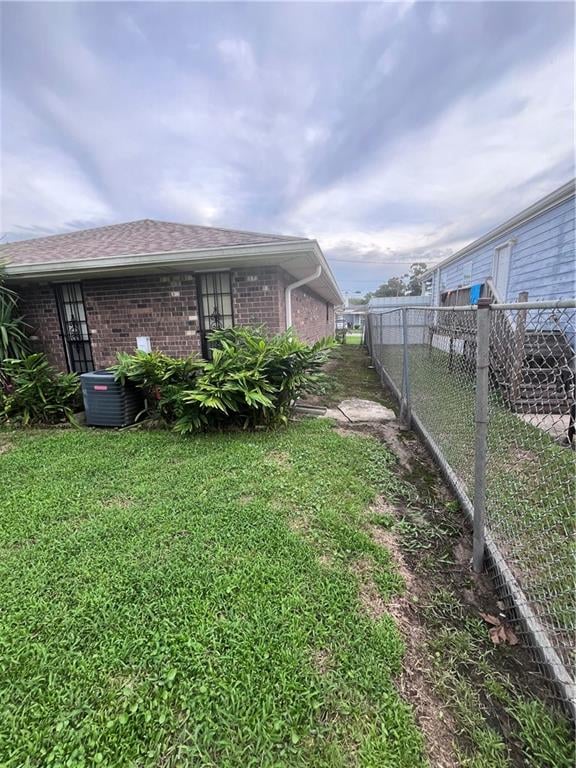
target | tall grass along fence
x=491, y=389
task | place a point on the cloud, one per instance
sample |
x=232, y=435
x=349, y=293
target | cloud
x=438, y=19
x=132, y=27
x=45, y=190
x=383, y=68
x=238, y=54
x=354, y=123
x=435, y=187
x=377, y=18
x=206, y=196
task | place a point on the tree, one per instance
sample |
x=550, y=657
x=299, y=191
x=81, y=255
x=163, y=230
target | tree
x=394, y=287
x=414, y=286
x=406, y=285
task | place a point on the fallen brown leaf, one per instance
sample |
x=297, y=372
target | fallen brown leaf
x=500, y=631
x=490, y=619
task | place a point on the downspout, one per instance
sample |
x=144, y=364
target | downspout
x=290, y=288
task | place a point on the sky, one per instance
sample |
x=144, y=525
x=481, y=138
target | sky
x=390, y=132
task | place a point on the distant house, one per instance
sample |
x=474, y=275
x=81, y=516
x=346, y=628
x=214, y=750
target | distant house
x=90, y=294
x=351, y=315
x=532, y=253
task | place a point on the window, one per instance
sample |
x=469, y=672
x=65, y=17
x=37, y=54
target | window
x=74, y=327
x=215, y=305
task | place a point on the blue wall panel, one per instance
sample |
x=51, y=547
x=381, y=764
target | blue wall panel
x=543, y=258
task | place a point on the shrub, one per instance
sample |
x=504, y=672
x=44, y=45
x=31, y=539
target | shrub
x=34, y=393
x=13, y=338
x=160, y=377
x=250, y=381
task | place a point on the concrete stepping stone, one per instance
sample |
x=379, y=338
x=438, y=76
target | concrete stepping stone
x=360, y=411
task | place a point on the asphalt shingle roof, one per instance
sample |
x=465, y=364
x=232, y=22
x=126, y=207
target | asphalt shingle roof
x=134, y=237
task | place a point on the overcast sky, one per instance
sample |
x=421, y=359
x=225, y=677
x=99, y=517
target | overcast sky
x=390, y=132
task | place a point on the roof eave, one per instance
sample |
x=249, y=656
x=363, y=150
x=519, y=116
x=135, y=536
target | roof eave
x=169, y=260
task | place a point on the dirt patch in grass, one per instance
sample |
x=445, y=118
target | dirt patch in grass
x=392, y=435
x=433, y=718
x=371, y=602
x=5, y=446
x=299, y=524
x=119, y=502
x=322, y=660
x=326, y=561
x=279, y=457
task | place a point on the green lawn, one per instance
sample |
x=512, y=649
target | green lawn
x=195, y=602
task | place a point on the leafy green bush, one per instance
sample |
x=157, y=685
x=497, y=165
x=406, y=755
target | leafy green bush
x=34, y=393
x=250, y=381
x=160, y=377
x=13, y=337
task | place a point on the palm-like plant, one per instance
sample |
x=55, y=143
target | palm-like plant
x=13, y=336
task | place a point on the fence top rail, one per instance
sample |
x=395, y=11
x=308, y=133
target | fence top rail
x=388, y=311
x=426, y=308
x=556, y=304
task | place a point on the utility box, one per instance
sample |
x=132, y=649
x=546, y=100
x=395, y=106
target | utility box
x=109, y=403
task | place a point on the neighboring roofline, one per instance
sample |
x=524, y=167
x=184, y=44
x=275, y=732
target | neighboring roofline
x=560, y=195
x=59, y=269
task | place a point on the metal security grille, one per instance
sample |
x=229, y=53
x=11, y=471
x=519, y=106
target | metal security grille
x=72, y=314
x=491, y=389
x=215, y=301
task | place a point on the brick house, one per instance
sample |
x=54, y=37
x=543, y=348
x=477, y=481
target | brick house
x=155, y=285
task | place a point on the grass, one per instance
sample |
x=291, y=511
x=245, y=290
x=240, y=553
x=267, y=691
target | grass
x=499, y=706
x=354, y=338
x=530, y=481
x=178, y=602
x=197, y=602
x=353, y=376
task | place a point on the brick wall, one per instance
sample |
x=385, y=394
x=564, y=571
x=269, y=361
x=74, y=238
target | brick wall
x=162, y=307
x=258, y=298
x=312, y=317
x=38, y=305
x=118, y=310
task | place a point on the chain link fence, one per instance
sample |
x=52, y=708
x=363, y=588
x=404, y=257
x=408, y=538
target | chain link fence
x=491, y=389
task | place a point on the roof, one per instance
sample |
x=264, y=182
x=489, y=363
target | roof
x=134, y=237
x=390, y=302
x=565, y=192
x=151, y=247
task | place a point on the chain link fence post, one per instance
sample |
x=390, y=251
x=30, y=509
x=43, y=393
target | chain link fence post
x=405, y=406
x=481, y=432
